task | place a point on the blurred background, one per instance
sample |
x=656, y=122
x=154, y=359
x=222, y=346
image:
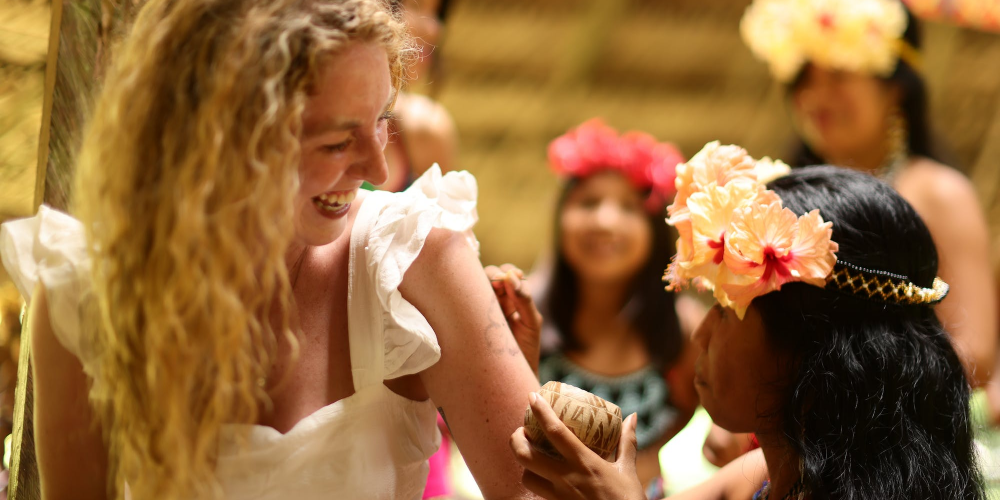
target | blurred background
x=518, y=73
x=514, y=74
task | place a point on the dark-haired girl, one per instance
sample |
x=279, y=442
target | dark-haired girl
x=824, y=342
x=618, y=333
x=861, y=102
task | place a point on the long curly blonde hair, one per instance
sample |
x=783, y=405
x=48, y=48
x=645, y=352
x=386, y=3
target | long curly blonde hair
x=185, y=184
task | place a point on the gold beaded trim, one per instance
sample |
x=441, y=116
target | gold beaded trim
x=883, y=286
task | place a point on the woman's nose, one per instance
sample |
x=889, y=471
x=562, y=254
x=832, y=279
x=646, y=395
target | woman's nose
x=608, y=215
x=371, y=164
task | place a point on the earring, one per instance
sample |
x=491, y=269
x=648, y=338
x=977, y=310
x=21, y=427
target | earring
x=897, y=137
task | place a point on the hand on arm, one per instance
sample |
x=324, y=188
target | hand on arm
x=482, y=378
x=72, y=458
x=519, y=309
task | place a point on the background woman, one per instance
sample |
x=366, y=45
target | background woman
x=851, y=394
x=618, y=333
x=865, y=107
x=238, y=317
x=421, y=131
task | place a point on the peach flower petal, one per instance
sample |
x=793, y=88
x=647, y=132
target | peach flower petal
x=813, y=252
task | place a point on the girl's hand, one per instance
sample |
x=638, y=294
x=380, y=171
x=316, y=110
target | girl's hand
x=519, y=309
x=583, y=475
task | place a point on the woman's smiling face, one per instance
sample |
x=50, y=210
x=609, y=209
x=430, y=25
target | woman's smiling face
x=344, y=132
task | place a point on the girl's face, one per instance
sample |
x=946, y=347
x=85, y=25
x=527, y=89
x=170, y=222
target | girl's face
x=604, y=233
x=843, y=115
x=343, y=135
x=739, y=374
x=423, y=24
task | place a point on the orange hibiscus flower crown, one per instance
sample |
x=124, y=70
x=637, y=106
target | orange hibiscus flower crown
x=595, y=147
x=738, y=240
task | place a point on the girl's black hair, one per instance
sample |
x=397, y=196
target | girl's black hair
x=649, y=307
x=878, y=406
x=913, y=105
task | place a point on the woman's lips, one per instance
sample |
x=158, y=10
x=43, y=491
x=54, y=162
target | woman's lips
x=334, y=204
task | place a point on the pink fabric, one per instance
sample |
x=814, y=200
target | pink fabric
x=438, y=483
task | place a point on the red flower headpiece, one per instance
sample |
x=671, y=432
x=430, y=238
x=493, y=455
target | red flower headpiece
x=595, y=147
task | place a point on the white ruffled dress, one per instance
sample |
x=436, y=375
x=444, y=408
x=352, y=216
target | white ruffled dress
x=371, y=445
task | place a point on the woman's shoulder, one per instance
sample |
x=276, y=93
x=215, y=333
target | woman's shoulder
x=946, y=201
x=433, y=218
x=435, y=200
x=928, y=182
x=49, y=252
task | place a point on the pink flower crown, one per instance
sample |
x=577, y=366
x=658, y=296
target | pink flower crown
x=736, y=238
x=594, y=147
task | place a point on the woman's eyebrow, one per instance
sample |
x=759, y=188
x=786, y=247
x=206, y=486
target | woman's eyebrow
x=339, y=123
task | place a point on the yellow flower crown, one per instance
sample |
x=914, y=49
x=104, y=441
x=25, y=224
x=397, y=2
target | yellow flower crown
x=738, y=240
x=852, y=35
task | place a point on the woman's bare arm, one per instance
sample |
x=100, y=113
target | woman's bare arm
x=72, y=458
x=737, y=481
x=482, y=381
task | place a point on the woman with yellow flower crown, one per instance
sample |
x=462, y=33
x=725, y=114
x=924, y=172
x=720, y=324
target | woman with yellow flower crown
x=852, y=69
x=824, y=341
x=853, y=74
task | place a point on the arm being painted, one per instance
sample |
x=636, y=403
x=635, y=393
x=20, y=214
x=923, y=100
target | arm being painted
x=482, y=380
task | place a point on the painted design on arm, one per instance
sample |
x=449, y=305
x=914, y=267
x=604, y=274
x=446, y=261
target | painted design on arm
x=497, y=333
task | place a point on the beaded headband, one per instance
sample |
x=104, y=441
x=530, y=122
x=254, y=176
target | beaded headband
x=883, y=286
x=594, y=147
x=738, y=240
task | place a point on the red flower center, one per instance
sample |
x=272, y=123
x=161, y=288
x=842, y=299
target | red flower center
x=826, y=20
x=773, y=264
x=719, y=247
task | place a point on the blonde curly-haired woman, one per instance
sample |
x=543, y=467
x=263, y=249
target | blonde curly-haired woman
x=230, y=317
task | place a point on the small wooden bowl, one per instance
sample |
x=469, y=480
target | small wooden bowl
x=596, y=422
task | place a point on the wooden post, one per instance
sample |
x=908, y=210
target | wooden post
x=24, y=481
x=82, y=36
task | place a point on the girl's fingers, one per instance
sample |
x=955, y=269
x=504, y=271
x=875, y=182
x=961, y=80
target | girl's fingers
x=527, y=310
x=627, y=444
x=531, y=459
x=564, y=441
x=511, y=268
